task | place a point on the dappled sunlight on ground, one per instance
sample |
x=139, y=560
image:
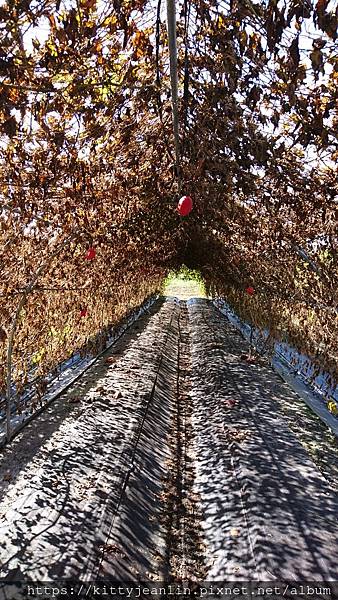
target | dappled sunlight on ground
x=172, y=457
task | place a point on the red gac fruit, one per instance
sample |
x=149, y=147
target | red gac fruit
x=250, y=290
x=184, y=206
x=91, y=253
x=83, y=312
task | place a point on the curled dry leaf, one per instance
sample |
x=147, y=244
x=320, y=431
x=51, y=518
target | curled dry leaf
x=110, y=360
x=74, y=400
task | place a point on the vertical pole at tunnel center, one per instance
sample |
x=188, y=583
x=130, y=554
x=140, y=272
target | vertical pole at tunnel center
x=171, y=26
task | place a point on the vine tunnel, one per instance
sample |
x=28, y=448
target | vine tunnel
x=145, y=434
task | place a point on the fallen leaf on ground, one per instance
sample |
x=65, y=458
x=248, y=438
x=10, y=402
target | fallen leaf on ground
x=74, y=400
x=111, y=549
x=236, y=435
x=229, y=403
x=110, y=360
x=152, y=576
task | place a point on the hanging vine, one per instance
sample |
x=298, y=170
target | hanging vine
x=87, y=153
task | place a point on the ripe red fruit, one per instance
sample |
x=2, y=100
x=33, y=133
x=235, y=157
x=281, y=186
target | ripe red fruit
x=83, y=312
x=91, y=253
x=250, y=290
x=184, y=206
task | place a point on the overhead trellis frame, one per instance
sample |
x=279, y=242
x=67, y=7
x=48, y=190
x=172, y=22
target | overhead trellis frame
x=256, y=142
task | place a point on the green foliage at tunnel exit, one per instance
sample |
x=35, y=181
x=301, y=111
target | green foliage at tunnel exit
x=184, y=283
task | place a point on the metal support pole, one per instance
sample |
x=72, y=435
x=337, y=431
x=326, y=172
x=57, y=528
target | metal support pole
x=171, y=26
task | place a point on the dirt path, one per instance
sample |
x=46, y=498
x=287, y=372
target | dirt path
x=176, y=463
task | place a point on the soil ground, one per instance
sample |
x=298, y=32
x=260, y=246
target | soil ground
x=175, y=459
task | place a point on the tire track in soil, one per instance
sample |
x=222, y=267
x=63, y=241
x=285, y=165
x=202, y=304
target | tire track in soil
x=156, y=533
x=185, y=547
x=275, y=516
x=62, y=499
x=134, y=546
